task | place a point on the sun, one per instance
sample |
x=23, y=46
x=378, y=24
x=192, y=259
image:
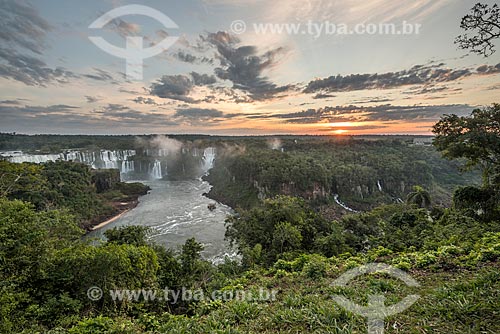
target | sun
x=340, y=132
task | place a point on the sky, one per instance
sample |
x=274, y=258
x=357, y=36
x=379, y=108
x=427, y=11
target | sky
x=240, y=67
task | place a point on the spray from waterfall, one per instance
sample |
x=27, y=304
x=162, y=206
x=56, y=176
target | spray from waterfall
x=208, y=158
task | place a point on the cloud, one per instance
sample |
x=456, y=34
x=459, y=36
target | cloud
x=92, y=99
x=22, y=36
x=144, y=100
x=19, y=111
x=204, y=116
x=192, y=59
x=352, y=128
x=67, y=118
x=202, y=79
x=22, y=26
x=123, y=28
x=178, y=87
x=244, y=67
x=322, y=96
x=100, y=75
x=417, y=75
x=199, y=113
x=30, y=70
x=321, y=115
x=381, y=113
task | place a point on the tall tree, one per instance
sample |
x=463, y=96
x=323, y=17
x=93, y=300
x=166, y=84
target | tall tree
x=475, y=138
x=420, y=197
x=484, y=20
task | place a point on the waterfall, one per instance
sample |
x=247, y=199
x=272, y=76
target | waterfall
x=208, y=158
x=156, y=170
x=127, y=167
x=103, y=159
x=379, y=185
x=339, y=202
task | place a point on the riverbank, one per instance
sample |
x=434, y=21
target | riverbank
x=120, y=198
x=123, y=208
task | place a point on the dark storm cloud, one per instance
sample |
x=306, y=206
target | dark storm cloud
x=382, y=113
x=178, y=87
x=417, y=75
x=244, y=67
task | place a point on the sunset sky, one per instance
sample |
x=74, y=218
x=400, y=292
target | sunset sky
x=214, y=80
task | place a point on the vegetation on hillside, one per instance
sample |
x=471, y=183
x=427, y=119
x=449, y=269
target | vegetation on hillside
x=49, y=274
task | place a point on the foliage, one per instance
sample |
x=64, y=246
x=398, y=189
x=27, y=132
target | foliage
x=364, y=173
x=420, y=197
x=281, y=225
x=475, y=138
x=131, y=235
x=484, y=20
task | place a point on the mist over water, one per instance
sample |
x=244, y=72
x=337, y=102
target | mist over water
x=176, y=211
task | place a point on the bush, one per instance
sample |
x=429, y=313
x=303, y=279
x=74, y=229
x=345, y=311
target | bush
x=315, y=267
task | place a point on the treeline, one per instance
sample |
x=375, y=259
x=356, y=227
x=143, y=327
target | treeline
x=364, y=173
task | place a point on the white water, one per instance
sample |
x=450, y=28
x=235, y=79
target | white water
x=339, y=202
x=176, y=211
x=208, y=158
x=156, y=172
x=379, y=185
x=116, y=159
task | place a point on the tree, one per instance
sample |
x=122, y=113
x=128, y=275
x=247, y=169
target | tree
x=420, y=197
x=286, y=237
x=485, y=21
x=128, y=235
x=475, y=138
x=190, y=256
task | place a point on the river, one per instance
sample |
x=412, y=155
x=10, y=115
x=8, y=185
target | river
x=176, y=211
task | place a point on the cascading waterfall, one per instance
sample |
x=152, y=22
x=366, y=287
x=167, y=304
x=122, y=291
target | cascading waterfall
x=127, y=167
x=156, y=172
x=103, y=159
x=379, y=185
x=208, y=158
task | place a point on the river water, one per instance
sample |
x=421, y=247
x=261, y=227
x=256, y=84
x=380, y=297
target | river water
x=176, y=211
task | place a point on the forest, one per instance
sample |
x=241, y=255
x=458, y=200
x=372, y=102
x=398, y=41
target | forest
x=444, y=231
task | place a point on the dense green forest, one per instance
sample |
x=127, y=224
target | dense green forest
x=287, y=244
x=363, y=172
x=89, y=195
